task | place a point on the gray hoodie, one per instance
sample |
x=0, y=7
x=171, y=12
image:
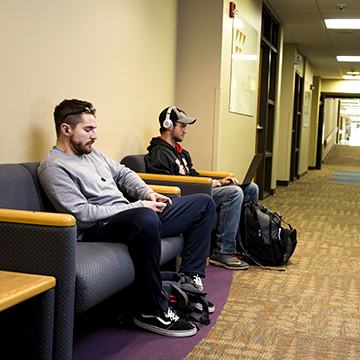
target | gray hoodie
x=89, y=186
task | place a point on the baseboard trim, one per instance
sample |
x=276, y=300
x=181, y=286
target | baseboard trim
x=282, y=183
x=303, y=174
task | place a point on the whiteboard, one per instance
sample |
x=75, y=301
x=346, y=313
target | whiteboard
x=244, y=60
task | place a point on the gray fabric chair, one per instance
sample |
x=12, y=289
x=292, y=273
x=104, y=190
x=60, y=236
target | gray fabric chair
x=188, y=184
x=86, y=273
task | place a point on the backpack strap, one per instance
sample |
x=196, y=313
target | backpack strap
x=183, y=299
x=195, y=295
x=204, y=319
x=261, y=266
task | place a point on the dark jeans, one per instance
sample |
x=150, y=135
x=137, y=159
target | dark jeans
x=142, y=228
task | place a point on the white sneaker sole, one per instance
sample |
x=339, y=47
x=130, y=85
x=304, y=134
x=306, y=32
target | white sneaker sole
x=198, y=306
x=165, y=332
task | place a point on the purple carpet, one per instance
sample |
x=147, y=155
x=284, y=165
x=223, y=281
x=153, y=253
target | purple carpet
x=105, y=342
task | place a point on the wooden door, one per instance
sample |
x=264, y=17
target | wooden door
x=267, y=100
x=296, y=127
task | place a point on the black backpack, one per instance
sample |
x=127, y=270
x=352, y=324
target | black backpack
x=263, y=240
x=183, y=294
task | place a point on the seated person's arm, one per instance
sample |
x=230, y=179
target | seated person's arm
x=88, y=203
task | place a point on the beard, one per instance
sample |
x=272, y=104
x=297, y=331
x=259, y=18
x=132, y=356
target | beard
x=176, y=138
x=79, y=148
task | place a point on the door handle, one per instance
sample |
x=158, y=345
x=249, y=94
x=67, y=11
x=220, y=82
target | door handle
x=259, y=127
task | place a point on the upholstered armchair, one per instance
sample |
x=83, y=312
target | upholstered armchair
x=36, y=240
x=187, y=184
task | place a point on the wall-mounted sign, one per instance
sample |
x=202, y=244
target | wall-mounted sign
x=298, y=59
x=244, y=68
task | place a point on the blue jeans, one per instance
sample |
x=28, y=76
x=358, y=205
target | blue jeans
x=229, y=200
x=142, y=228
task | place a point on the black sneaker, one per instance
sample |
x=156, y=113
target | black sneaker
x=228, y=261
x=168, y=324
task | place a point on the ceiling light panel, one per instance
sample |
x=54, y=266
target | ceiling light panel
x=342, y=23
x=348, y=58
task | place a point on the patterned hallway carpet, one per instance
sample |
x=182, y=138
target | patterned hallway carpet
x=312, y=310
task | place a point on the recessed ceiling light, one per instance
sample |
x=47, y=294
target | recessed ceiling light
x=342, y=23
x=348, y=58
x=353, y=72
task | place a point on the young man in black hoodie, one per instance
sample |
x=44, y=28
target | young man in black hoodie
x=166, y=156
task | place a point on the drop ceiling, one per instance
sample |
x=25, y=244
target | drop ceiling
x=304, y=25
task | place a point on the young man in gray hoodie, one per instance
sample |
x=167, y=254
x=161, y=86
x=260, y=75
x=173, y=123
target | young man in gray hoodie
x=80, y=180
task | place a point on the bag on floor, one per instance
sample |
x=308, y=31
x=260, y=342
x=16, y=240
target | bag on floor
x=183, y=294
x=263, y=240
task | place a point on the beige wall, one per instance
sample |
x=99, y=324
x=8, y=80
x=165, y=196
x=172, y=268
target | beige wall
x=305, y=125
x=307, y=134
x=237, y=133
x=331, y=107
x=314, y=121
x=198, y=75
x=286, y=112
x=132, y=59
x=340, y=86
x=121, y=55
x=219, y=140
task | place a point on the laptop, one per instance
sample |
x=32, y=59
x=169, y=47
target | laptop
x=252, y=170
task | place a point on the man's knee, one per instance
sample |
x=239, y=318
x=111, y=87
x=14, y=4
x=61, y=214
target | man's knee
x=255, y=189
x=235, y=194
x=205, y=200
x=147, y=220
x=140, y=223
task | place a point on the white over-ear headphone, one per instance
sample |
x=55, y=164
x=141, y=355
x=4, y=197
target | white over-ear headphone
x=168, y=124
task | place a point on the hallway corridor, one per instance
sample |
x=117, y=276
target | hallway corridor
x=312, y=310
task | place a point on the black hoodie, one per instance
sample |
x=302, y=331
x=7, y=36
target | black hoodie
x=166, y=159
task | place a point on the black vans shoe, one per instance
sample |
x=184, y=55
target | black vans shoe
x=168, y=324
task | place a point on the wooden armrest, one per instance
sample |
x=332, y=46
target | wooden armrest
x=162, y=189
x=215, y=174
x=18, y=287
x=188, y=179
x=36, y=218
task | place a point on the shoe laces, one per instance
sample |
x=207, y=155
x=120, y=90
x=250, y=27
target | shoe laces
x=197, y=280
x=171, y=315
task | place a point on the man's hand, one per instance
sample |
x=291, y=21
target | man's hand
x=157, y=202
x=216, y=183
x=226, y=181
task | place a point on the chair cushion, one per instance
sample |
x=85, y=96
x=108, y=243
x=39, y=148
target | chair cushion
x=18, y=190
x=103, y=269
x=135, y=162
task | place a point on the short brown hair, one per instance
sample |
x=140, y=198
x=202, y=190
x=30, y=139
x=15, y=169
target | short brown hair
x=71, y=110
